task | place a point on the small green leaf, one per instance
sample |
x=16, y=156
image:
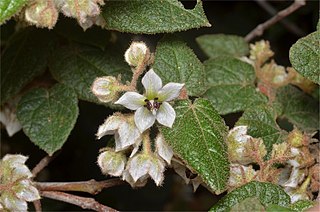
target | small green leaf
x=304, y=56
x=223, y=45
x=197, y=137
x=77, y=66
x=267, y=193
x=231, y=84
x=48, y=116
x=248, y=204
x=276, y=208
x=8, y=8
x=302, y=205
x=93, y=36
x=261, y=122
x=299, y=108
x=150, y=17
x=176, y=62
x=25, y=58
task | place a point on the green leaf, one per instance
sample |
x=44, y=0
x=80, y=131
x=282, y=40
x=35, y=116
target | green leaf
x=261, y=122
x=299, y=108
x=197, y=137
x=150, y=17
x=223, y=45
x=93, y=36
x=176, y=62
x=248, y=204
x=8, y=8
x=231, y=84
x=48, y=116
x=302, y=205
x=77, y=66
x=304, y=56
x=267, y=193
x=25, y=58
x=276, y=208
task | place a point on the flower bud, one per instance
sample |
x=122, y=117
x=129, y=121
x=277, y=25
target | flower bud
x=112, y=163
x=240, y=174
x=137, y=53
x=274, y=75
x=260, y=52
x=280, y=151
x=296, y=138
x=237, y=140
x=106, y=88
x=42, y=13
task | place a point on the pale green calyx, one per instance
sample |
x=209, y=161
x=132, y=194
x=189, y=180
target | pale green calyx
x=15, y=183
x=112, y=163
x=137, y=53
x=106, y=88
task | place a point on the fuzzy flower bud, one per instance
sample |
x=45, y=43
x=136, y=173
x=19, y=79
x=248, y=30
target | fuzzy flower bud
x=296, y=138
x=274, y=75
x=137, y=53
x=112, y=163
x=42, y=13
x=15, y=184
x=237, y=140
x=260, y=52
x=106, y=88
x=240, y=175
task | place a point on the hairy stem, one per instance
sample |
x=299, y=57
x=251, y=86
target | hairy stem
x=83, y=202
x=258, y=31
x=90, y=186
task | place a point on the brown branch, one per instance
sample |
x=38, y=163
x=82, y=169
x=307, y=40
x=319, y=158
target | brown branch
x=258, y=31
x=37, y=205
x=83, y=202
x=90, y=186
x=43, y=163
x=286, y=23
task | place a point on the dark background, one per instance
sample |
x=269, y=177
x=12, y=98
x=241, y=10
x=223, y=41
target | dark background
x=77, y=160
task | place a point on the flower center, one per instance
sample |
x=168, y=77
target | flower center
x=152, y=105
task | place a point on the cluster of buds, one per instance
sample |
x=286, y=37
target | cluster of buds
x=297, y=177
x=15, y=184
x=44, y=13
x=133, y=156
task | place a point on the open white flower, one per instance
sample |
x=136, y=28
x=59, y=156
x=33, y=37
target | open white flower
x=125, y=131
x=154, y=104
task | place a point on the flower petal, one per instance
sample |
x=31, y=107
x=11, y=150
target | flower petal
x=131, y=100
x=129, y=134
x=166, y=114
x=12, y=203
x=163, y=149
x=28, y=192
x=110, y=125
x=156, y=170
x=138, y=166
x=144, y=119
x=152, y=84
x=170, y=91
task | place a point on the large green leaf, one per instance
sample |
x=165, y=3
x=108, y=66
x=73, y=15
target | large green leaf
x=77, y=66
x=231, y=84
x=267, y=193
x=223, y=45
x=8, y=8
x=48, y=116
x=176, y=62
x=304, y=56
x=302, y=205
x=197, y=137
x=152, y=16
x=261, y=122
x=299, y=108
x=25, y=58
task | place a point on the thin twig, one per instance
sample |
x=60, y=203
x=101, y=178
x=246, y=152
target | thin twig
x=90, y=186
x=83, y=202
x=37, y=205
x=258, y=31
x=43, y=163
x=286, y=23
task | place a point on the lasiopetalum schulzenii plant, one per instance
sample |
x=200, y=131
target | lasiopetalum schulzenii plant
x=229, y=117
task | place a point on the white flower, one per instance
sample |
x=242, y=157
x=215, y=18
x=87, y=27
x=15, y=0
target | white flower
x=142, y=165
x=154, y=104
x=163, y=149
x=17, y=175
x=112, y=163
x=125, y=131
